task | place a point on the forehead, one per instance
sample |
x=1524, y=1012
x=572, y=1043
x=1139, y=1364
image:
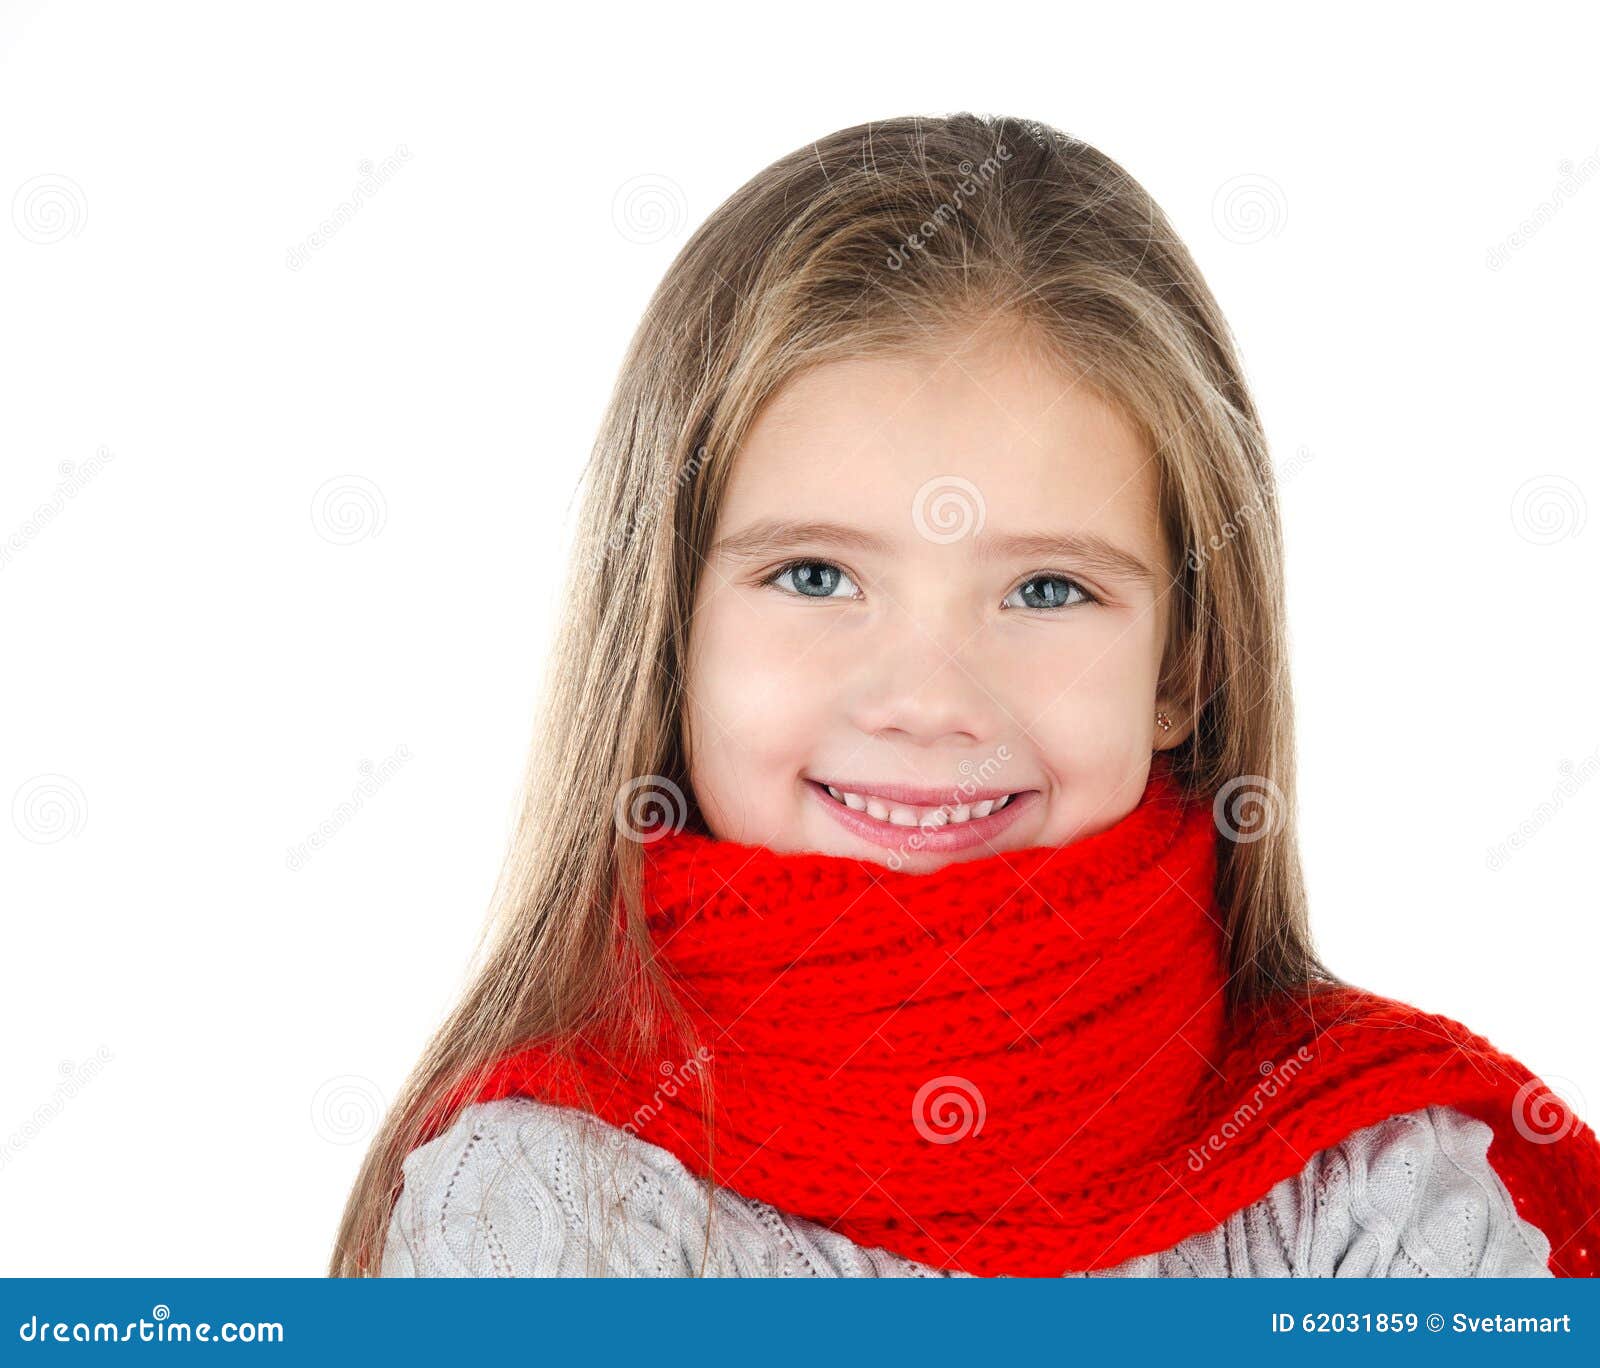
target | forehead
x=857, y=440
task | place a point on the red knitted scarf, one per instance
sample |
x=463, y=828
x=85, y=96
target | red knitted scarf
x=1020, y=1063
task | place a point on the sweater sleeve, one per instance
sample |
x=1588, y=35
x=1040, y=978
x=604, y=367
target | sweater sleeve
x=1413, y=1196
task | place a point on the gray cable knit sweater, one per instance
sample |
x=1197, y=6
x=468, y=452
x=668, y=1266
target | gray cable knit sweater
x=519, y=1188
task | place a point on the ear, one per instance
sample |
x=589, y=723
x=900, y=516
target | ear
x=1165, y=738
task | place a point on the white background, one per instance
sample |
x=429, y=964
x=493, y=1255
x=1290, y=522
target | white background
x=198, y=1039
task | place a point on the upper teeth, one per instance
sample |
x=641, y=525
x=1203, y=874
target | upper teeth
x=918, y=816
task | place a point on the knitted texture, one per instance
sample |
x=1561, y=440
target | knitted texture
x=518, y=1188
x=1022, y=1063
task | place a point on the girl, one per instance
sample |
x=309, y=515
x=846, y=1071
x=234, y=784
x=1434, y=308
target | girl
x=906, y=882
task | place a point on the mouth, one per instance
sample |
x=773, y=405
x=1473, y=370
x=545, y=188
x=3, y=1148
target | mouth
x=894, y=815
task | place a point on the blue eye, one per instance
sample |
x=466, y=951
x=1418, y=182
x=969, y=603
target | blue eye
x=812, y=579
x=1055, y=594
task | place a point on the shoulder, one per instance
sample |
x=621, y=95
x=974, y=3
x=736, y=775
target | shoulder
x=524, y=1188
x=1416, y=1196
x=518, y=1187
x=1412, y=1196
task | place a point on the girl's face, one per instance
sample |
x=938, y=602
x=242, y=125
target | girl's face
x=935, y=581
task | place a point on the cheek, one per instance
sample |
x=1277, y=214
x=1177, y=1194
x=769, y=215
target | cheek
x=748, y=671
x=1089, y=695
x=759, y=694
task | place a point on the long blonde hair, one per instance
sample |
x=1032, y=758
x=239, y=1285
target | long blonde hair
x=858, y=244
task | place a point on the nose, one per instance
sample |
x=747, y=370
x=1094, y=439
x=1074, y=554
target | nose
x=918, y=684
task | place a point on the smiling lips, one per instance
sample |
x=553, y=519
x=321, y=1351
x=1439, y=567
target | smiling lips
x=894, y=815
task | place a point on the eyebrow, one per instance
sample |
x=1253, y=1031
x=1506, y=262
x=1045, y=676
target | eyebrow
x=1089, y=549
